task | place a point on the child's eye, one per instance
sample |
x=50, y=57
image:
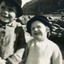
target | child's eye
x=38, y=26
x=10, y=9
x=32, y=28
x=3, y=7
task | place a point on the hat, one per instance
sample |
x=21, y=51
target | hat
x=18, y=4
x=19, y=9
x=42, y=19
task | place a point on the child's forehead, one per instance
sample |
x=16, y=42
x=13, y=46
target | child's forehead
x=40, y=23
x=37, y=21
x=8, y=3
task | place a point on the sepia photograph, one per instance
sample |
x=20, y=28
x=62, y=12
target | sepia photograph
x=31, y=31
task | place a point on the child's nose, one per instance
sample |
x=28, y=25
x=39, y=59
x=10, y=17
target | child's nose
x=6, y=11
x=36, y=29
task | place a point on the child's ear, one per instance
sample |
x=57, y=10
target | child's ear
x=48, y=31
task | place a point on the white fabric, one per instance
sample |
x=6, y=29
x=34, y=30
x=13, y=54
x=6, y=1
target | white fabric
x=41, y=53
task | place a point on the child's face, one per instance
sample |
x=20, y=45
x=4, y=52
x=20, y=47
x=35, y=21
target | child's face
x=7, y=13
x=38, y=30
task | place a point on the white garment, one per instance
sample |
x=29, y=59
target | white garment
x=42, y=52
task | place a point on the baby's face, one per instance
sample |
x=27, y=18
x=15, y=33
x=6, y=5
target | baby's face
x=38, y=30
x=7, y=13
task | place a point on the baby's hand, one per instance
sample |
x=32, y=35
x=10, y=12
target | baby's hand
x=2, y=61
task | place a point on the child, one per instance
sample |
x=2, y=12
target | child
x=41, y=50
x=12, y=40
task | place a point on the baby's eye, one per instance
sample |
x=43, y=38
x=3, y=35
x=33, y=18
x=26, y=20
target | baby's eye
x=3, y=7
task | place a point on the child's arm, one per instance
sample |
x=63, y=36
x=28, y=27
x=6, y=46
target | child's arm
x=57, y=56
x=16, y=58
x=2, y=61
x=19, y=47
x=26, y=52
x=25, y=55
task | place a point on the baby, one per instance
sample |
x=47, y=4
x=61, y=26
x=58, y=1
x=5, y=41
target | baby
x=41, y=50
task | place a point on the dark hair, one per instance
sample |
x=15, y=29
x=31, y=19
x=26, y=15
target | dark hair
x=42, y=19
x=18, y=7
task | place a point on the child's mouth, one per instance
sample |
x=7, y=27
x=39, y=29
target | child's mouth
x=37, y=33
x=5, y=17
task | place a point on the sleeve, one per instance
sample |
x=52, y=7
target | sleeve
x=26, y=52
x=2, y=61
x=57, y=56
x=16, y=58
x=25, y=55
x=19, y=47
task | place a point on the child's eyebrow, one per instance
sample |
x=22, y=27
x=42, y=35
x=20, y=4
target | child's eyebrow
x=10, y=3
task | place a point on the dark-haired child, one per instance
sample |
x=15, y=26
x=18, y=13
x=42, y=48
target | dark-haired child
x=12, y=40
x=41, y=50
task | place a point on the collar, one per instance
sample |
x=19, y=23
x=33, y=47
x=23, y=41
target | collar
x=12, y=24
x=3, y=25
